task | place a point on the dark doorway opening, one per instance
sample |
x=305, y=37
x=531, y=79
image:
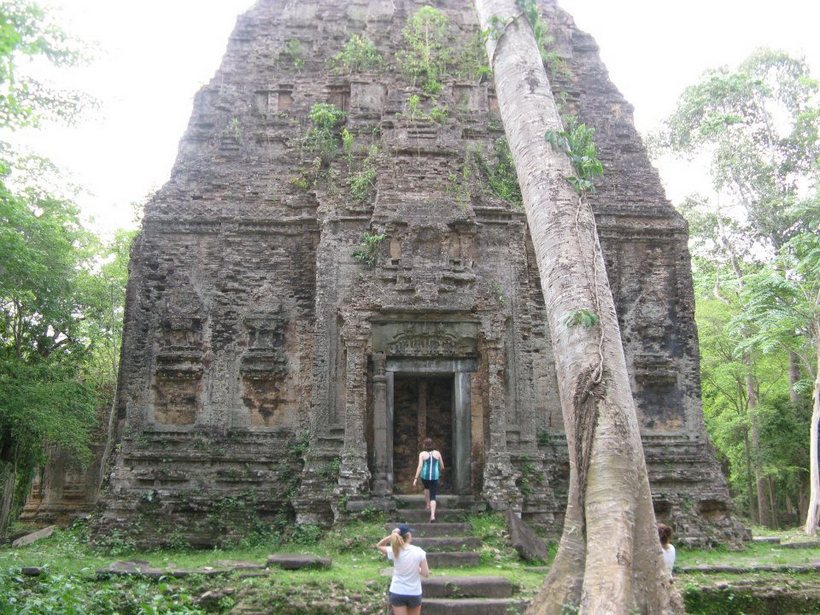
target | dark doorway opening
x=422, y=407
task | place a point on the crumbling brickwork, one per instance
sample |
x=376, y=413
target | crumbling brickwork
x=286, y=300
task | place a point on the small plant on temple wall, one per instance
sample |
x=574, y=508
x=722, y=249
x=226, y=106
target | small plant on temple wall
x=359, y=54
x=500, y=174
x=438, y=114
x=234, y=129
x=426, y=51
x=347, y=147
x=368, y=250
x=322, y=138
x=577, y=142
x=293, y=54
x=363, y=183
x=472, y=60
x=540, y=30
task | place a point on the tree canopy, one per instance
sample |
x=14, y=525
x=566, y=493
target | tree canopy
x=754, y=243
x=60, y=287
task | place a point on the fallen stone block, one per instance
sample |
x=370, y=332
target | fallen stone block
x=523, y=539
x=806, y=544
x=298, y=562
x=33, y=537
x=212, y=597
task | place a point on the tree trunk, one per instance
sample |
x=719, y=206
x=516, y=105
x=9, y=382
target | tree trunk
x=770, y=491
x=794, y=377
x=8, y=482
x=813, y=514
x=764, y=516
x=609, y=560
x=750, y=485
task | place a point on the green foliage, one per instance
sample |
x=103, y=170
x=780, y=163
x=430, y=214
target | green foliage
x=501, y=176
x=293, y=53
x=759, y=126
x=322, y=138
x=347, y=146
x=363, y=183
x=426, y=53
x=582, y=318
x=358, y=55
x=527, y=480
x=368, y=250
x=540, y=31
x=543, y=438
x=26, y=32
x=577, y=141
x=438, y=114
x=61, y=311
x=755, y=265
x=472, y=59
x=413, y=106
x=59, y=593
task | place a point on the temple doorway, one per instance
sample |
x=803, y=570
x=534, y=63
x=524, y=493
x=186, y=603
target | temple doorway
x=422, y=407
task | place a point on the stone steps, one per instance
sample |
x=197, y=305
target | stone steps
x=453, y=559
x=449, y=543
x=419, y=515
x=436, y=529
x=443, y=501
x=467, y=587
x=473, y=606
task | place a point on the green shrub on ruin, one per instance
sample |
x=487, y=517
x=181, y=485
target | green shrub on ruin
x=368, y=249
x=426, y=53
x=363, y=183
x=322, y=138
x=578, y=143
x=500, y=175
x=293, y=54
x=358, y=55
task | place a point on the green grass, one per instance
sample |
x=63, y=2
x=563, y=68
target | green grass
x=355, y=583
x=754, y=553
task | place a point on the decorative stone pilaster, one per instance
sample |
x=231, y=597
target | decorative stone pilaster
x=354, y=477
x=382, y=428
x=499, y=488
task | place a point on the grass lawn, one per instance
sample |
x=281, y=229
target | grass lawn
x=355, y=583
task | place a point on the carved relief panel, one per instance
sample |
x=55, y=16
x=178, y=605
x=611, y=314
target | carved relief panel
x=263, y=369
x=178, y=375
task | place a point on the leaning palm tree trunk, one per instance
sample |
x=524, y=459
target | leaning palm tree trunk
x=609, y=560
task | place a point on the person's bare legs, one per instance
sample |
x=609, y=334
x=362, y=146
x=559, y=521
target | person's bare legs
x=402, y=610
x=426, y=499
x=432, y=510
x=416, y=610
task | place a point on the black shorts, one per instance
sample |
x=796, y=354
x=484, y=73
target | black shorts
x=402, y=600
x=431, y=486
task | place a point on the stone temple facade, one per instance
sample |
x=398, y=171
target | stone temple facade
x=300, y=316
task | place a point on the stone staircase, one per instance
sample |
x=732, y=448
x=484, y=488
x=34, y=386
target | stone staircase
x=449, y=544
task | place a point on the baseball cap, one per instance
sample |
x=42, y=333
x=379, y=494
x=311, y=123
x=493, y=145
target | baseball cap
x=404, y=529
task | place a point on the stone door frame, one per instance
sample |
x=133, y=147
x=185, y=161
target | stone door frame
x=383, y=416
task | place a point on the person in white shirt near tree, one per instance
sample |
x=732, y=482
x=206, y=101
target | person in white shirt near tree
x=409, y=565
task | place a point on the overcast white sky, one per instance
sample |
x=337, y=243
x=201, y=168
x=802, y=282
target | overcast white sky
x=155, y=54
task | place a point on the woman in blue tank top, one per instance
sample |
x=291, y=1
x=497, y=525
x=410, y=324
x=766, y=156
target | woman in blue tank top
x=431, y=463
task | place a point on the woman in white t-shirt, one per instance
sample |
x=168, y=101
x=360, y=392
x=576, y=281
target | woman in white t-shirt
x=664, y=533
x=409, y=565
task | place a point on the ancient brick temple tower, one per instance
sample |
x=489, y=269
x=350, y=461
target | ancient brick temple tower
x=300, y=316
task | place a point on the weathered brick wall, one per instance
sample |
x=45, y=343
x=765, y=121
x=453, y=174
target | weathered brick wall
x=250, y=322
